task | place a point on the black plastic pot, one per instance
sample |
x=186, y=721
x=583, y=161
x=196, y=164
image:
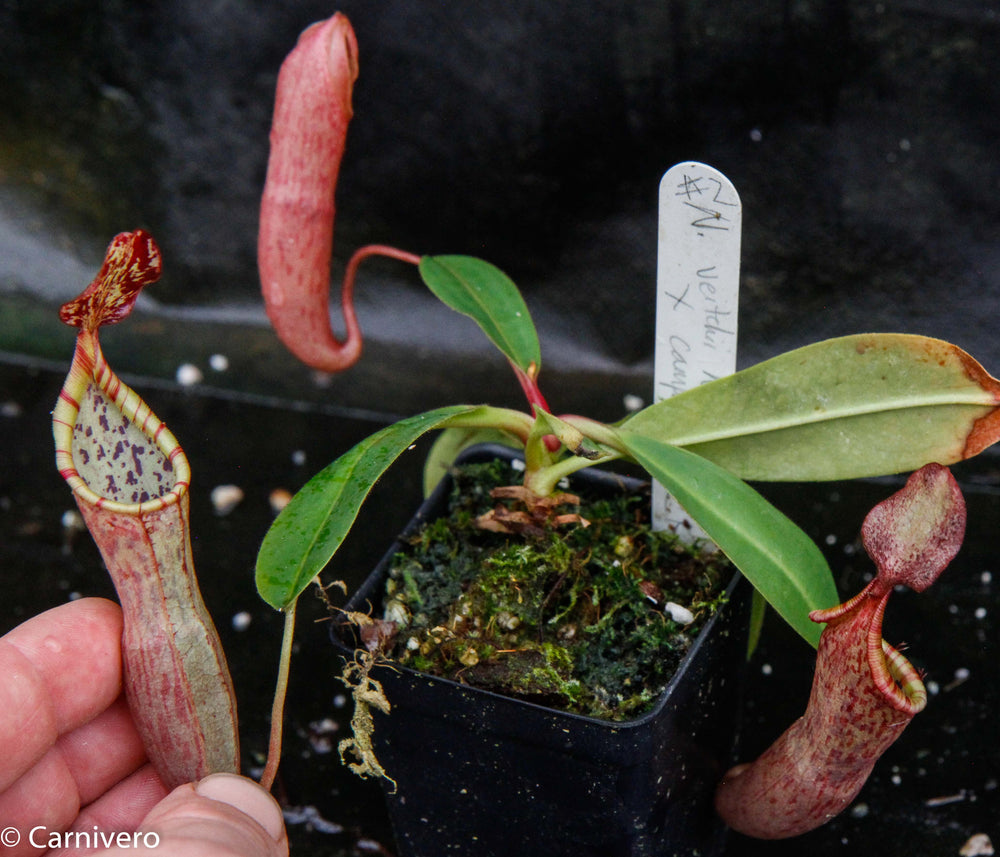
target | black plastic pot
x=485, y=775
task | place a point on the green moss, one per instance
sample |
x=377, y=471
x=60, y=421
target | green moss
x=567, y=616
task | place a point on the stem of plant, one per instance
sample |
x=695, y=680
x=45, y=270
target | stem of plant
x=278, y=706
x=516, y=423
x=596, y=431
x=543, y=482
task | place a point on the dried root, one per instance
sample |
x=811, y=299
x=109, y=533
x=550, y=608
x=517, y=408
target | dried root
x=366, y=693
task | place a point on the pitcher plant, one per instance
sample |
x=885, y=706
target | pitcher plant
x=863, y=405
x=856, y=406
x=130, y=480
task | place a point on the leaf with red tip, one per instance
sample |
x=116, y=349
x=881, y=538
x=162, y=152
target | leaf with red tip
x=864, y=405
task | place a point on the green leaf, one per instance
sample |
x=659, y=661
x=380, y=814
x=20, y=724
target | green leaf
x=780, y=560
x=487, y=295
x=312, y=526
x=864, y=405
x=758, y=612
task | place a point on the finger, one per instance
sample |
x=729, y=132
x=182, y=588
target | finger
x=80, y=767
x=44, y=798
x=248, y=797
x=60, y=668
x=119, y=810
x=102, y=752
x=224, y=815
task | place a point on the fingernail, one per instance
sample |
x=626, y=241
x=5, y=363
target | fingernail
x=247, y=797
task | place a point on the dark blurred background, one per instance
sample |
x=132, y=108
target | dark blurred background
x=862, y=137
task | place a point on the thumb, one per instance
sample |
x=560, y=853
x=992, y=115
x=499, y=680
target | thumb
x=219, y=816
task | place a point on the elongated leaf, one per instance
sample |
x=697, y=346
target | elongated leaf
x=310, y=529
x=487, y=295
x=780, y=560
x=856, y=406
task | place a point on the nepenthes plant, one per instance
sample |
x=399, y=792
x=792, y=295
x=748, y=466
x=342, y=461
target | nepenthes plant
x=856, y=406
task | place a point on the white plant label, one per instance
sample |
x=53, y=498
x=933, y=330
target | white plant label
x=697, y=297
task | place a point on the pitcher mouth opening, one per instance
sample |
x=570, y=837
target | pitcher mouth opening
x=906, y=679
x=892, y=672
x=894, y=676
x=142, y=467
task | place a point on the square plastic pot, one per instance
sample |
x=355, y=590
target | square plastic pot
x=480, y=774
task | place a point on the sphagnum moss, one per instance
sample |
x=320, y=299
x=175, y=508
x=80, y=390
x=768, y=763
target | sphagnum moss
x=568, y=616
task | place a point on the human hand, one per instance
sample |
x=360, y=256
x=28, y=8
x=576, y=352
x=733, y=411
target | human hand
x=71, y=758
